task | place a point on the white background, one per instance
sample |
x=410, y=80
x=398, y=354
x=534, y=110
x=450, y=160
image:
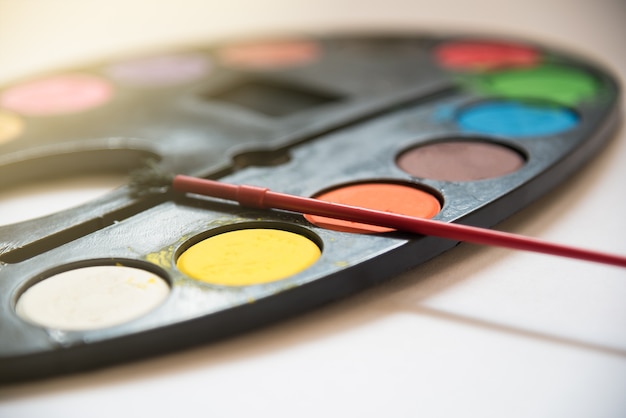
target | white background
x=478, y=332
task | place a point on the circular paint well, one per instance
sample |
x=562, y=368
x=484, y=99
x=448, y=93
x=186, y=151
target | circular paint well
x=161, y=70
x=37, y=199
x=269, y=55
x=388, y=197
x=460, y=161
x=91, y=298
x=485, y=55
x=248, y=257
x=11, y=126
x=516, y=119
x=565, y=85
x=61, y=94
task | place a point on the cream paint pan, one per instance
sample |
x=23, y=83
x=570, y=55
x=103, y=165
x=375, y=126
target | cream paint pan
x=456, y=129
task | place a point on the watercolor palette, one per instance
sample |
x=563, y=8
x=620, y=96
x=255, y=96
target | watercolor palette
x=459, y=129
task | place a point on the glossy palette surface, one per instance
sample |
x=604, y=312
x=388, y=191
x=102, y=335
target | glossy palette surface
x=459, y=129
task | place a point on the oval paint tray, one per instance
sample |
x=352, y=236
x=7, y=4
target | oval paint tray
x=459, y=129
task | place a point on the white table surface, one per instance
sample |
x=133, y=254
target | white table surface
x=478, y=332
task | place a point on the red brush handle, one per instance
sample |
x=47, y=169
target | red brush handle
x=259, y=197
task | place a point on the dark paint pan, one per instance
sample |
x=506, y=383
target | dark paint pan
x=460, y=160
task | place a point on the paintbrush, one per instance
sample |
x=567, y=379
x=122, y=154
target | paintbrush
x=151, y=180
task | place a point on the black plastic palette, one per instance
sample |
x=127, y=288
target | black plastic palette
x=460, y=129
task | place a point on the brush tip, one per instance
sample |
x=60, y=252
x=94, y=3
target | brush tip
x=150, y=179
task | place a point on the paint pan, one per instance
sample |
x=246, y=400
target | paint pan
x=11, y=126
x=67, y=93
x=248, y=256
x=93, y=297
x=460, y=160
x=404, y=199
x=457, y=129
x=160, y=70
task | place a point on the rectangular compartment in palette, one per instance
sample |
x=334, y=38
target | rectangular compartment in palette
x=460, y=129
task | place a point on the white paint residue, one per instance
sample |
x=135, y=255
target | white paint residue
x=92, y=297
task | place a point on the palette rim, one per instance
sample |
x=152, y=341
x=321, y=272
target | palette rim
x=272, y=114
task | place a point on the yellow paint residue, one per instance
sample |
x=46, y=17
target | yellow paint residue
x=162, y=258
x=141, y=282
x=248, y=257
